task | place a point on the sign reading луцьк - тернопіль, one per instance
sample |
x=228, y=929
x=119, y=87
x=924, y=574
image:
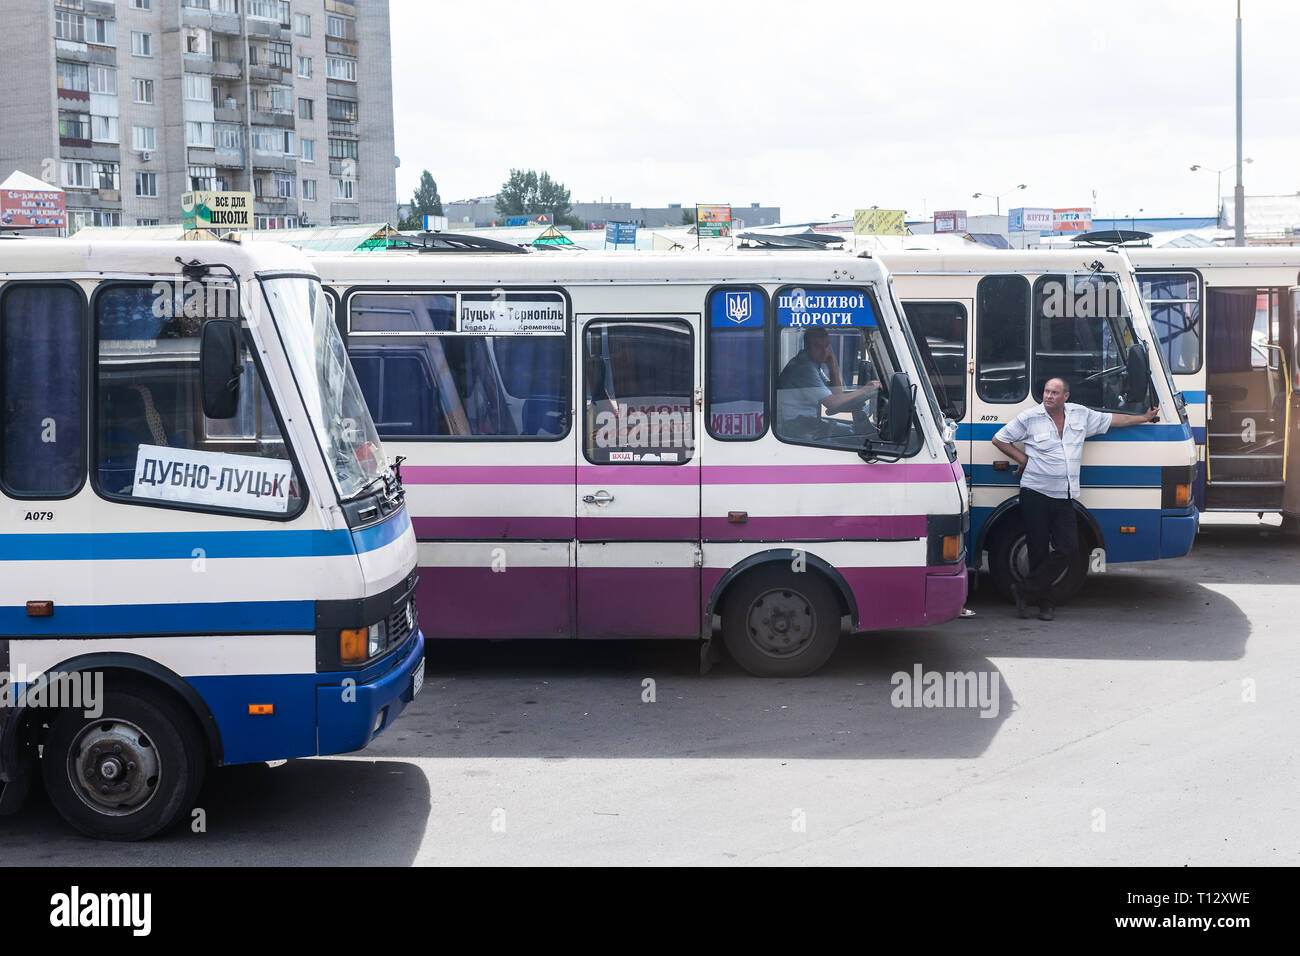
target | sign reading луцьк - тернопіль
x=209, y=209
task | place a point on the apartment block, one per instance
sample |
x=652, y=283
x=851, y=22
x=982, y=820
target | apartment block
x=129, y=104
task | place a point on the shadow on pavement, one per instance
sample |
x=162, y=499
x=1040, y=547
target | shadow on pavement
x=321, y=812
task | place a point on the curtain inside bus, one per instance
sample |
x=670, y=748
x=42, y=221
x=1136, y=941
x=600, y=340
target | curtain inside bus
x=1231, y=320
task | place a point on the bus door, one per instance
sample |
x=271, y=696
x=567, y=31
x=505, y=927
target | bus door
x=638, y=488
x=940, y=328
x=1291, y=340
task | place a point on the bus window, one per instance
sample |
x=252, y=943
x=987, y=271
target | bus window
x=423, y=377
x=153, y=442
x=940, y=332
x=42, y=348
x=835, y=366
x=1002, y=339
x=736, y=385
x=1174, y=302
x=1082, y=333
x=639, y=384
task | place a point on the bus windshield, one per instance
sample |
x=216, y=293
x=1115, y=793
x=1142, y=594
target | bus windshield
x=329, y=388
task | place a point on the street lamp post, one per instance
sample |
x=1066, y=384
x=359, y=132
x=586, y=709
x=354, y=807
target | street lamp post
x=1218, y=180
x=997, y=197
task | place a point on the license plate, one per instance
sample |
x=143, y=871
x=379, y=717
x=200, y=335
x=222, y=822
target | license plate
x=417, y=680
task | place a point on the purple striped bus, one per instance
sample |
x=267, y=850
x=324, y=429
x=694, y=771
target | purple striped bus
x=655, y=446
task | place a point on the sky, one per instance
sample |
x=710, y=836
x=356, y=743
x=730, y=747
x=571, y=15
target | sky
x=824, y=107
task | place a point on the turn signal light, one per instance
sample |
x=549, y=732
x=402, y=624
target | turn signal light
x=256, y=710
x=1182, y=495
x=951, y=547
x=352, y=645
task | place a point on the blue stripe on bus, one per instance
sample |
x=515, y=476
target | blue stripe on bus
x=1146, y=544
x=1090, y=476
x=165, y=545
x=980, y=431
x=375, y=537
x=106, y=620
x=1193, y=396
x=1198, y=434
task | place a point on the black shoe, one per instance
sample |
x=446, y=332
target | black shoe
x=1047, y=613
x=1019, y=596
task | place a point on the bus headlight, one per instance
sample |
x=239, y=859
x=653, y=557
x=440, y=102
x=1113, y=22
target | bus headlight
x=375, y=639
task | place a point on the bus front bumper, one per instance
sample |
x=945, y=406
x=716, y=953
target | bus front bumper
x=348, y=717
x=1177, y=532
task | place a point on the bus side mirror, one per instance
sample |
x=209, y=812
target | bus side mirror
x=900, y=409
x=219, y=367
x=1139, y=373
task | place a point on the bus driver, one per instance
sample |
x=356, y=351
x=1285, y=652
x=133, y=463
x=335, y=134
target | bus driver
x=812, y=381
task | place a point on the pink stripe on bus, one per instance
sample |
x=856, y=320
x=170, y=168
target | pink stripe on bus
x=903, y=472
x=488, y=474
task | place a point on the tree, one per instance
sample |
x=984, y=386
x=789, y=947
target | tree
x=529, y=193
x=688, y=217
x=425, y=202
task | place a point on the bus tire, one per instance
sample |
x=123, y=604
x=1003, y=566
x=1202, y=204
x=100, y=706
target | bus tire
x=1010, y=552
x=129, y=773
x=776, y=623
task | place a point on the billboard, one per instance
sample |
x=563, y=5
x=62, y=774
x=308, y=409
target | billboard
x=620, y=234
x=1029, y=219
x=712, y=220
x=1072, y=220
x=950, y=220
x=879, y=222
x=32, y=209
x=210, y=209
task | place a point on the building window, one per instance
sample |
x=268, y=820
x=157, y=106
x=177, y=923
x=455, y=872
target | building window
x=337, y=68
x=230, y=136
x=198, y=134
x=103, y=79
x=309, y=189
x=302, y=24
x=336, y=27
x=72, y=76
x=196, y=41
x=198, y=87
x=69, y=26
x=101, y=32
x=143, y=90
x=304, y=108
x=100, y=217
x=203, y=177
x=106, y=176
x=280, y=54
x=74, y=125
x=103, y=129
x=308, y=150
x=146, y=184
x=345, y=189
x=284, y=185
x=141, y=43
x=146, y=222
x=140, y=5
x=281, y=98
x=343, y=149
x=285, y=18
x=142, y=138
x=262, y=9
x=304, y=67
x=76, y=174
x=343, y=110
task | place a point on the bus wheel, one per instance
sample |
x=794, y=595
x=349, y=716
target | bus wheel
x=1009, y=563
x=779, y=624
x=127, y=774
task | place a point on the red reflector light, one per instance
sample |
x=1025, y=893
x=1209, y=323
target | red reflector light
x=40, y=608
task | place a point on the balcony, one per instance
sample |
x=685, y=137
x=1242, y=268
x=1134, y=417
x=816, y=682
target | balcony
x=226, y=23
x=344, y=211
x=228, y=158
x=272, y=118
x=110, y=195
x=75, y=142
x=194, y=17
x=226, y=114
x=341, y=128
x=268, y=73
x=280, y=162
x=267, y=29
x=335, y=46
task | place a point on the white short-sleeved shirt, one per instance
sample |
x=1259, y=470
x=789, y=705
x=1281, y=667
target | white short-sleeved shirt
x=1053, y=466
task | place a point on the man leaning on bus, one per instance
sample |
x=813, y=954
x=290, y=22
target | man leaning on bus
x=1053, y=434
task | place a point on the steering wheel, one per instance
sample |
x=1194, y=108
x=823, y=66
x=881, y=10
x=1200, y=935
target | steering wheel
x=1104, y=372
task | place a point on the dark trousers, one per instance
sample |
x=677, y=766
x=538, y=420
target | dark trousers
x=1047, y=520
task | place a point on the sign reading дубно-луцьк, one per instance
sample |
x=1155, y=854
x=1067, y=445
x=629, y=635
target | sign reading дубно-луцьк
x=211, y=209
x=840, y=307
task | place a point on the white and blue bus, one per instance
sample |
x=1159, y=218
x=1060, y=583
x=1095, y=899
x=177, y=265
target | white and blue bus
x=992, y=327
x=205, y=558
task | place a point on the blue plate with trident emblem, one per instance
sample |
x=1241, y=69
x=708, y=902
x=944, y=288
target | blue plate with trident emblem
x=737, y=308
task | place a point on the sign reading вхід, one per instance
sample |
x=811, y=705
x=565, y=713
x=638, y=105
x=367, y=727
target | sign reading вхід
x=828, y=307
x=712, y=221
x=36, y=208
x=879, y=222
x=209, y=209
x=950, y=220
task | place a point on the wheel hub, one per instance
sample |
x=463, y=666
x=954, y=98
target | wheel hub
x=114, y=767
x=780, y=622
